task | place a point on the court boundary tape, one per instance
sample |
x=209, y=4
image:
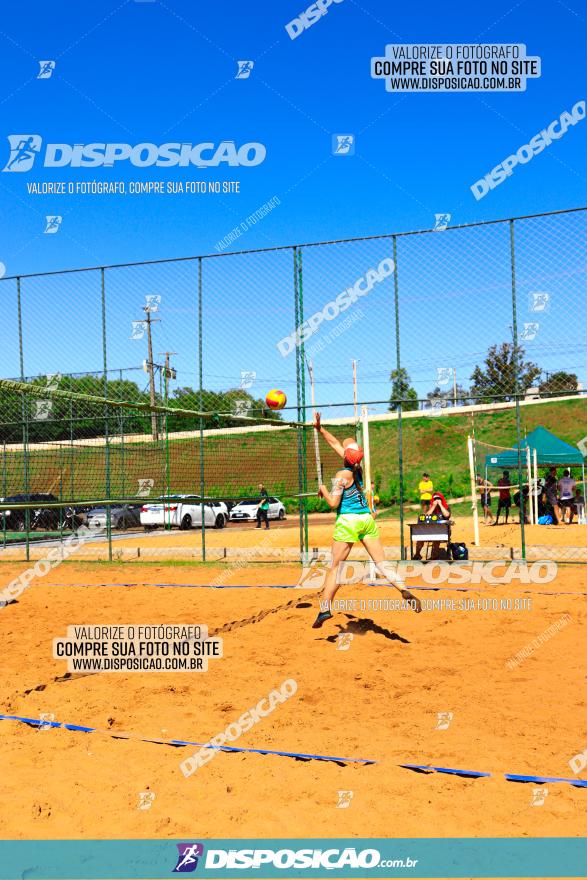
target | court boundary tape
x=509, y=777
x=181, y=743
x=451, y=588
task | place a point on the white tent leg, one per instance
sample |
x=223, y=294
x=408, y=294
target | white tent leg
x=535, y=501
x=530, y=498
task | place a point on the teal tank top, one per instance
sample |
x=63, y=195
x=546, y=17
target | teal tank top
x=353, y=500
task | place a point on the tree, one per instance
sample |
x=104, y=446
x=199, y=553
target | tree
x=559, y=383
x=505, y=373
x=448, y=395
x=401, y=391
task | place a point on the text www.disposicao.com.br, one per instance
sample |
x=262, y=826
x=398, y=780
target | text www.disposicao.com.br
x=135, y=664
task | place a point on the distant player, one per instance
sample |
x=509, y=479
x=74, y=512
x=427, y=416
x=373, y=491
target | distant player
x=504, y=500
x=354, y=521
x=263, y=508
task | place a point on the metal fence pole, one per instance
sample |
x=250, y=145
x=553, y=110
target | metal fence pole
x=121, y=455
x=517, y=386
x=300, y=431
x=4, y=492
x=400, y=444
x=71, y=451
x=201, y=407
x=106, y=427
x=25, y=426
x=303, y=399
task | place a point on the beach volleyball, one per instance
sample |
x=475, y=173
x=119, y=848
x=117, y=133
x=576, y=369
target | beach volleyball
x=276, y=399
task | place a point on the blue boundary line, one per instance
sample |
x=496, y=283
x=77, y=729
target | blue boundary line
x=509, y=777
x=36, y=722
x=426, y=768
x=452, y=588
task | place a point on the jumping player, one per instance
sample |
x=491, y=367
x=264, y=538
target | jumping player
x=354, y=521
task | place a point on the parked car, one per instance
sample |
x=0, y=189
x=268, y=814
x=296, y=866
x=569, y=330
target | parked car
x=122, y=516
x=247, y=510
x=184, y=514
x=41, y=517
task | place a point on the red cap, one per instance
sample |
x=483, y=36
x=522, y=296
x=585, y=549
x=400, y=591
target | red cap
x=353, y=456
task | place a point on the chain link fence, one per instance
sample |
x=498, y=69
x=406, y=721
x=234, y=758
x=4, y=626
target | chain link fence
x=442, y=335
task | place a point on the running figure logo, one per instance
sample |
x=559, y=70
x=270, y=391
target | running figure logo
x=145, y=486
x=241, y=408
x=46, y=69
x=343, y=641
x=24, y=149
x=539, y=795
x=530, y=331
x=244, y=69
x=441, y=222
x=153, y=301
x=146, y=799
x=444, y=719
x=443, y=375
x=138, y=329
x=314, y=572
x=248, y=379
x=344, y=799
x=46, y=720
x=343, y=145
x=53, y=224
x=539, y=301
x=187, y=860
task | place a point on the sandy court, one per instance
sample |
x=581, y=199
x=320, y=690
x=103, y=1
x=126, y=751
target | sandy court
x=379, y=699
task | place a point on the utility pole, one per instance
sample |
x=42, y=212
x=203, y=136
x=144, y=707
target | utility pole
x=355, y=391
x=151, y=371
x=454, y=385
x=169, y=371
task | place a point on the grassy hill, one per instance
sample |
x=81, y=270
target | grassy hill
x=234, y=463
x=439, y=445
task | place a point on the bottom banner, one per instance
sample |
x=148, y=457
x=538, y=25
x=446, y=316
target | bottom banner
x=351, y=857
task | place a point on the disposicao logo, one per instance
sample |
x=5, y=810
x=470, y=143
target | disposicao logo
x=332, y=309
x=188, y=855
x=24, y=149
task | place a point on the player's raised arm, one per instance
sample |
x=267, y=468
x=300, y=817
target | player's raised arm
x=330, y=438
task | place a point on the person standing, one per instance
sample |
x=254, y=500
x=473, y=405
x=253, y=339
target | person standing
x=425, y=488
x=566, y=490
x=485, y=487
x=551, y=490
x=504, y=501
x=263, y=508
x=578, y=506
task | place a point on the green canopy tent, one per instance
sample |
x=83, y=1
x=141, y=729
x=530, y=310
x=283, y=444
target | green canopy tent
x=546, y=449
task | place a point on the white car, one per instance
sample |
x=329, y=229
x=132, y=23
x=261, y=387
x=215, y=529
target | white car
x=247, y=510
x=176, y=511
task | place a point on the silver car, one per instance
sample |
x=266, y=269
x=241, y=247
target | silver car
x=121, y=517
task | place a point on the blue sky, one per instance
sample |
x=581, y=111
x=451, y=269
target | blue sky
x=136, y=72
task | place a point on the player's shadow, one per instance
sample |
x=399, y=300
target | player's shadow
x=360, y=626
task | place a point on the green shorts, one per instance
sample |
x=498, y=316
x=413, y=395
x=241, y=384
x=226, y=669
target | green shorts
x=354, y=527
